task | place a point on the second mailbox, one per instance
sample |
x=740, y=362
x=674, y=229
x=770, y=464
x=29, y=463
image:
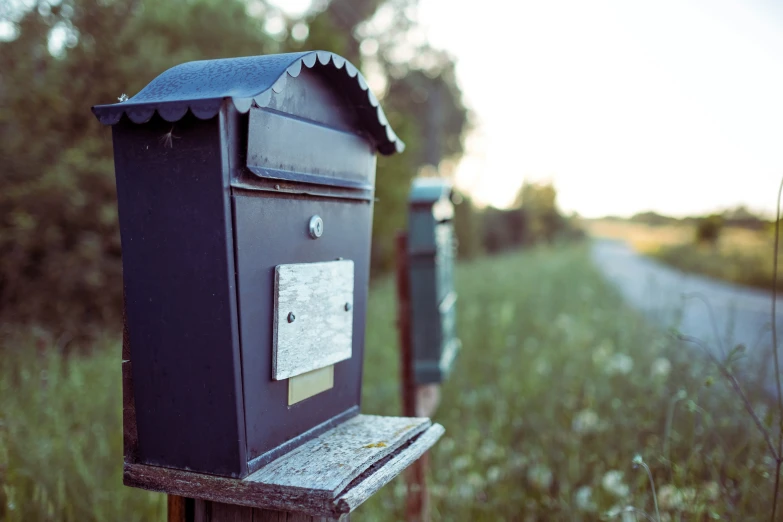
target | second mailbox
x=245, y=189
x=431, y=252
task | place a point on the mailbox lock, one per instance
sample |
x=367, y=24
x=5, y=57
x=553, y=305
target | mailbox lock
x=291, y=317
x=316, y=226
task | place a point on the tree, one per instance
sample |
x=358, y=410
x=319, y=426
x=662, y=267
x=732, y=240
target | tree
x=59, y=241
x=538, y=202
x=708, y=229
x=467, y=227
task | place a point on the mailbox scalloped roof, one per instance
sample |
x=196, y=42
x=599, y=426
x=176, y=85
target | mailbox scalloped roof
x=201, y=87
x=429, y=190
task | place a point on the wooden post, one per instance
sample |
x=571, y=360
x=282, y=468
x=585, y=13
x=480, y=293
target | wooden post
x=417, y=503
x=206, y=511
x=408, y=386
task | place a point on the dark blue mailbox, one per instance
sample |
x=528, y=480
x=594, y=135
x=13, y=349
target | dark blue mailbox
x=431, y=253
x=245, y=189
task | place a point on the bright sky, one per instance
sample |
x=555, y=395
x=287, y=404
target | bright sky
x=667, y=105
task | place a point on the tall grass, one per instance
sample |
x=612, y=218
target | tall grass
x=749, y=267
x=740, y=255
x=61, y=436
x=558, y=386
x=556, y=390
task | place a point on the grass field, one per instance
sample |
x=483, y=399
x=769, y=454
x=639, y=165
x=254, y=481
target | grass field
x=558, y=387
x=741, y=256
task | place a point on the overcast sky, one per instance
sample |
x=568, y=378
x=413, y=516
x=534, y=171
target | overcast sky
x=669, y=105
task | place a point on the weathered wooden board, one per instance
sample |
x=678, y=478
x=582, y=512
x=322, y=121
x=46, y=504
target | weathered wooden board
x=328, y=476
x=313, y=318
x=334, y=459
x=375, y=479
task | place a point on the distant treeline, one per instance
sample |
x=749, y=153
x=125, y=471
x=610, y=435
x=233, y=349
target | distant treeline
x=534, y=218
x=739, y=217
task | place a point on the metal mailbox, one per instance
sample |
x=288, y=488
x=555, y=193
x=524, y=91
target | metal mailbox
x=431, y=253
x=245, y=189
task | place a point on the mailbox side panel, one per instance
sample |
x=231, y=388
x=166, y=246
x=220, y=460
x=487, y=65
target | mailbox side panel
x=178, y=271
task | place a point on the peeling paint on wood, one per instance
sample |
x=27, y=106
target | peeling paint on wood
x=313, y=318
x=328, y=476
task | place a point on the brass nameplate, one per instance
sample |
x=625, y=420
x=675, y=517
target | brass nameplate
x=311, y=383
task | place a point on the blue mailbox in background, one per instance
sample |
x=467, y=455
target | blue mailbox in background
x=431, y=255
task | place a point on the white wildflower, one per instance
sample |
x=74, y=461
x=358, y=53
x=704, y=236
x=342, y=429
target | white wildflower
x=540, y=476
x=619, y=363
x=518, y=462
x=671, y=497
x=122, y=98
x=711, y=491
x=761, y=411
x=447, y=445
x=602, y=352
x=475, y=481
x=661, y=367
x=437, y=490
x=585, y=421
x=490, y=450
x=465, y=492
x=627, y=512
x=613, y=483
x=494, y=474
x=583, y=498
x=461, y=462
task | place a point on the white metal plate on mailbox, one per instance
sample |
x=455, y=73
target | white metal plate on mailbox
x=318, y=297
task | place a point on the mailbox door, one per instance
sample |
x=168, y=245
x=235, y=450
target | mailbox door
x=426, y=320
x=272, y=230
x=433, y=304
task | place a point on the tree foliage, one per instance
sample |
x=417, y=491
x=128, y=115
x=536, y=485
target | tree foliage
x=59, y=241
x=534, y=218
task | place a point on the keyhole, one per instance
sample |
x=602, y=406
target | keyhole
x=316, y=226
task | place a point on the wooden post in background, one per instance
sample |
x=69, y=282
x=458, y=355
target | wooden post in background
x=417, y=502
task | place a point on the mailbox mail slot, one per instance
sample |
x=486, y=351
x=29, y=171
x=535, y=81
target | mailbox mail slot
x=245, y=190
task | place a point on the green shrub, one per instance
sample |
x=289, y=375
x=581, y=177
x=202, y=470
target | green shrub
x=708, y=229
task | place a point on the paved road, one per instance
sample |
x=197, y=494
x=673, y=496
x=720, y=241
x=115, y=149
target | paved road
x=742, y=314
